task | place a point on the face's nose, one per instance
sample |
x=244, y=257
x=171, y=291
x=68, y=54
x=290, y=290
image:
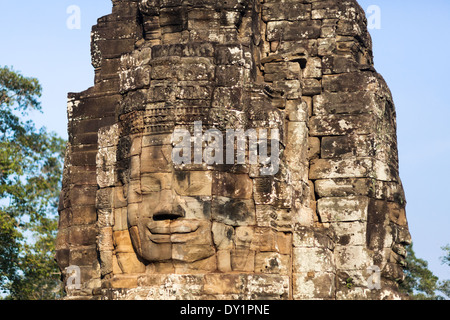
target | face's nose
x=168, y=207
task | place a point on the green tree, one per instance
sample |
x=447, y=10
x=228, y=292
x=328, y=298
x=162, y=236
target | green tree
x=30, y=175
x=420, y=283
x=444, y=286
x=446, y=259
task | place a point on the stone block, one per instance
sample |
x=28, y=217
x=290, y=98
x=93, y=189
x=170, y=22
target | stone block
x=106, y=176
x=111, y=49
x=313, y=285
x=312, y=260
x=229, y=75
x=243, y=260
x=105, y=218
x=105, y=239
x=313, y=148
x=192, y=249
x=223, y=236
x=227, y=98
x=347, y=146
x=120, y=200
x=313, y=68
x=345, y=168
x=120, y=219
x=297, y=135
x=195, y=69
x=156, y=159
x=352, y=258
x=341, y=64
x=297, y=110
x=132, y=214
x=347, y=103
x=274, y=263
x=105, y=198
x=122, y=282
x=352, y=233
x=198, y=207
x=270, y=240
x=129, y=263
x=350, y=82
x=335, y=125
x=267, y=287
x=136, y=78
x=326, y=46
x=287, y=30
x=224, y=261
x=311, y=87
x=269, y=191
x=122, y=242
x=293, y=11
x=244, y=238
x=83, y=235
x=378, y=215
x=238, y=186
x=279, y=71
x=106, y=262
x=344, y=187
x=235, y=212
x=65, y=218
x=163, y=139
x=193, y=93
x=83, y=256
x=135, y=59
x=308, y=237
x=62, y=256
x=291, y=89
x=196, y=267
x=155, y=182
x=346, y=209
x=217, y=283
x=83, y=195
x=183, y=50
x=93, y=108
x=229, y=54
x=84, y=175
x=269, y=216
x=83, y=215
x=397, y=214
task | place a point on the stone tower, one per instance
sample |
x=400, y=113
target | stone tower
x=328, y=223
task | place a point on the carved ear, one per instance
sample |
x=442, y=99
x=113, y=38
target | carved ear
x=149, y=7
x=134, y=234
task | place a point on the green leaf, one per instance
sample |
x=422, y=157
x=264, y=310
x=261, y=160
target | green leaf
x=31, y=163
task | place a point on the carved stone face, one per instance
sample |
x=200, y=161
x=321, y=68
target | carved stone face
x=188, y=213
x=171, y=221
x=332, y=210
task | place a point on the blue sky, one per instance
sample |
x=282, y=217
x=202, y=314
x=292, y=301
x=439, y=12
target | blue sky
x=410, y=50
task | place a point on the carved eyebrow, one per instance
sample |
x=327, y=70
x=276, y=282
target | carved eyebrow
x=137, y=190
x=150, y=184
x=147, y=190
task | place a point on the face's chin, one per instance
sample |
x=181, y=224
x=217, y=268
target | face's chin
x=164, y=240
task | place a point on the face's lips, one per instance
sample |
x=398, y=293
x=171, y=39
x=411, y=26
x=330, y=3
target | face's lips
x=171, y=231
x=159, y=238
x=159, y=227
x=184, y=226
